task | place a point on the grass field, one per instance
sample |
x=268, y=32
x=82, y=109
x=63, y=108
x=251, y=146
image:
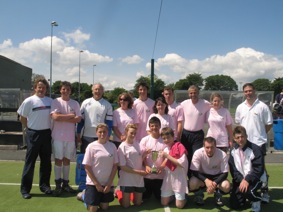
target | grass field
x=11, y=199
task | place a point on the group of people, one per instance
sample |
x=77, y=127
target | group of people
x=158, y=147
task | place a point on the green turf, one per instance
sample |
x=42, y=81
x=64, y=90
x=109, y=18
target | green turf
x=11, y=199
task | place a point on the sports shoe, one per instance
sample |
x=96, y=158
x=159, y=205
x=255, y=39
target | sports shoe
x=80, y=195
x=199, y=200
x=68, y=189
x=265, y=197
x=256, y=206
x=218, y=199
x=46, y=189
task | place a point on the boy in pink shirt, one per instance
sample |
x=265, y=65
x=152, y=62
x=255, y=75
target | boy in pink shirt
x=153, y=143
x=176, y=168
x=144, y=107
x=132, y=170
x=65, y=113
x=100, y=162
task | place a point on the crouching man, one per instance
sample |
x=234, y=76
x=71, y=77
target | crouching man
x=209, y=168
x=247, y=169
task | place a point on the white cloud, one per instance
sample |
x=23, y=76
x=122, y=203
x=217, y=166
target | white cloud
x=78, y=37
x=244, y=64
x=135, y=59
x=6, y=44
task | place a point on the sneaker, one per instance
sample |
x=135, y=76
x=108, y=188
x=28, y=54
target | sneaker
x=80, y=196
x=46, y=189
x=256, y=206
x=57, y=192
x=265, y=197
x=199, y=200
x=218, y=201
x=68, y=189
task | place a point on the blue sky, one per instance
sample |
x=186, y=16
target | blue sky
x=242, y=39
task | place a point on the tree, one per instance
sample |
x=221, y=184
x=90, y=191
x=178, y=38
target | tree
x=191, y=79
x=262, y=84
x=112, y=96
x=56, y=87
x=221, y=83
x=277, y=85
x=158, y=85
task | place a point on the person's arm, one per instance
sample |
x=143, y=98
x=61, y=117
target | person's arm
x=62, y=117
x=230, y=135
x=236, y=175
x=179, y=130
x=268, y=127
x=133, y=171
x=111, y=178
x=89, y=172
x=221, y=178
x=118, y=133
x=24, y=121
x=169, y=157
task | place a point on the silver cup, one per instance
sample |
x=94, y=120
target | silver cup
x=154, y=156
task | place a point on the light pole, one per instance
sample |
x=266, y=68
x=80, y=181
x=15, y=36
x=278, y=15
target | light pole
x=53, y=23
x=93, y=75
x=80, y=74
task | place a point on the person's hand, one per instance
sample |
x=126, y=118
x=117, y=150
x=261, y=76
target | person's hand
x=142, y=172
x=147, y=169
x=106, y=189
x=244, y=186
x=99, y=188
x=163, y=154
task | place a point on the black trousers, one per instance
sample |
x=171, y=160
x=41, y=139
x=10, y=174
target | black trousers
x=38, y=144
x=192, y=141
x=85, y=142
x=152, y=186
x=238, y=199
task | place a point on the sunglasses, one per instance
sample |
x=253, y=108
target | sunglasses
x=122, y=99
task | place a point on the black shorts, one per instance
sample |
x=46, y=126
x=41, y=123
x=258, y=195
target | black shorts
x=263, y=149
x=130, y=189
x=94, y=198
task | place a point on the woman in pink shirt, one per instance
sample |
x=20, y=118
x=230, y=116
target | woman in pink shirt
x=160, y=110
x=132, y=170
x=220, y=123
x=123, y=116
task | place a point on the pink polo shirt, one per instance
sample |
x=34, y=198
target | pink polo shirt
x=194, y=114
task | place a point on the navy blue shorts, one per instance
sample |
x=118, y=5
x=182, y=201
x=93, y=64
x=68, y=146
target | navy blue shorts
x=130, y=189
x=94, y=198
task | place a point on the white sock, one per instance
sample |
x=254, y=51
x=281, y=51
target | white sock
x=57, y=171
x=66, y=171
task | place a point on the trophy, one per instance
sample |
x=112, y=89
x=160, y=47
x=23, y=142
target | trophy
x=154, y=156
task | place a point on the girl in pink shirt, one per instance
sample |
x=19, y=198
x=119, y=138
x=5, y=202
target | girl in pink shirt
x=132, y=170
x=176, y=168
x=220, y=123
x=100, y=162
x=160, y=110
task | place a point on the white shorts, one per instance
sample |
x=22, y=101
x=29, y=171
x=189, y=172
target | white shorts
x=178, y=196
x=64, y=149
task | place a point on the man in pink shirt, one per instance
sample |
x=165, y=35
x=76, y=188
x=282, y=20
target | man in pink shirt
x=65, y=113
x=195, y=110
x=209, y=171
x=144, y=107
x=175, y=111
